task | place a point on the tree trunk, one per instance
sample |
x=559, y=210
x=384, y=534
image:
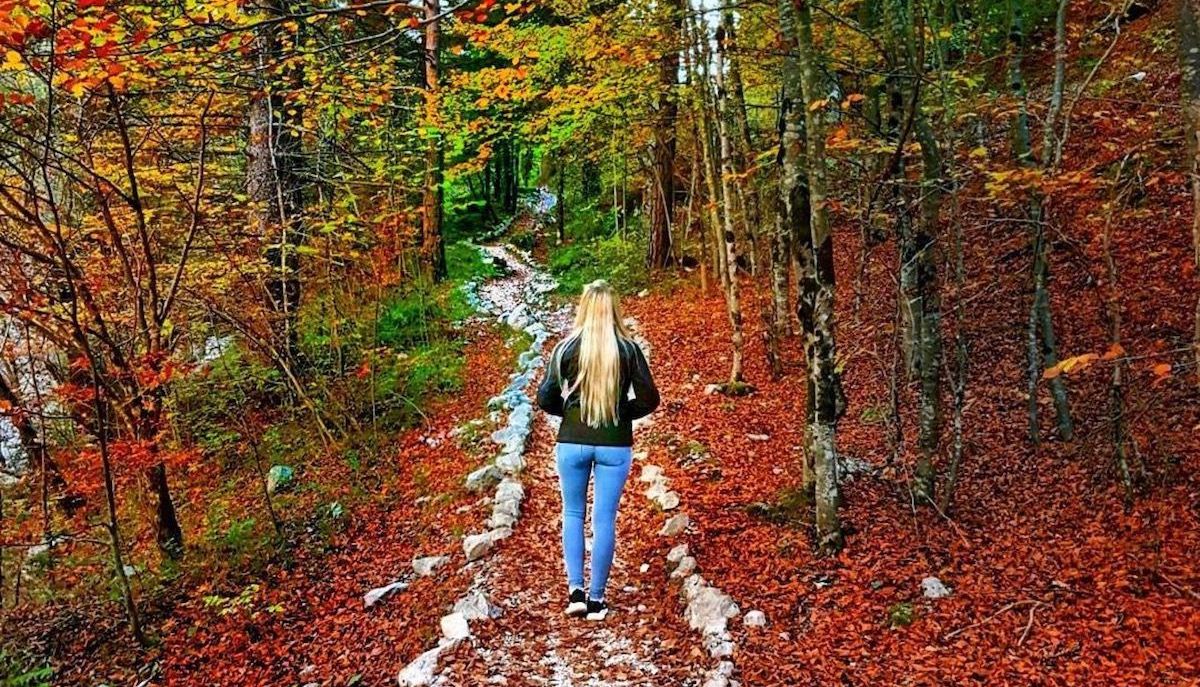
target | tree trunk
x=1116, y=388
x=112, y=525
x=560, y=201
x=1041, y=343
x=662, y=197
x=706, y=109
x=793, y=216
x=1188, y=30
x=273, y=185
x=167, y=531
x=724, y=126
x=919, y=290
x=433, y=252
x=818, y=314
x=742, y=146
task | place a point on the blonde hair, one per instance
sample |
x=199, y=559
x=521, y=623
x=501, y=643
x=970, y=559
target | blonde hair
x=600, y=332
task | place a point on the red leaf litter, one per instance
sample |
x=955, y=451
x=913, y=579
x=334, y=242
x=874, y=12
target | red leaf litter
x=1052, y=581
x=323, y=634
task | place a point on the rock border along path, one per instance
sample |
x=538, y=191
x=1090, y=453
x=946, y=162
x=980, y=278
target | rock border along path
x=518, y=299
x=622, y=648
x=707, y=609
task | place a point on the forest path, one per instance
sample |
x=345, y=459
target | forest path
x=645, y=640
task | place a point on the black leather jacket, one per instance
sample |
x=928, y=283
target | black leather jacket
x=635, y=374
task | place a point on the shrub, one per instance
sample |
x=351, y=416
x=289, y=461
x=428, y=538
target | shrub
x=466, y=262
x=619, y=260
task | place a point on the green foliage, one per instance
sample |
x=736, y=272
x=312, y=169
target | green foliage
x=523, y=237
x=242, y=603
x=994, y=22
x=207, y=404
x=232, y=538
x=901, y=614
x=620, y=260
x=466, y=262
x=16, y=672
x=409, y=320
x=790, y=508
x=463, y=219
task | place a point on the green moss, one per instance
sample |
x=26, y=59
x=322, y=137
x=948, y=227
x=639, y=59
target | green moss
x=901, y=614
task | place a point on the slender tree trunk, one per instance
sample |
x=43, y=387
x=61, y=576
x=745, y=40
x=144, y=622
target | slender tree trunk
x=1116, y=388
x=928, y=293
x=1188, y=30
x=1041, y=343
x=707, y=112
x=793, y=218
x=820, y=334
x=741, y=145
x=273, y=184
x=732, y=302
x=113, y=526
x=662, y=196
x=433, y=252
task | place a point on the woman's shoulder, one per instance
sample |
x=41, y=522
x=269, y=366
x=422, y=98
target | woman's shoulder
x=629, y=347
x=566, y=346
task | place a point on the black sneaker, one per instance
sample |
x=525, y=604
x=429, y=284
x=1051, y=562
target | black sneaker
x=577, y=605
x=596, y=610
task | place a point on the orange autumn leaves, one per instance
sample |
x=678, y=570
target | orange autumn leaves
x=1078, y=363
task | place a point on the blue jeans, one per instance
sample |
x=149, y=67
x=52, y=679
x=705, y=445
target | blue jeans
x=576, y=465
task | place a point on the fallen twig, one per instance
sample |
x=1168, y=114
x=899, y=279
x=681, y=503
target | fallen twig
x=1029, y=625
x=1179, y=588
x=1003, y=609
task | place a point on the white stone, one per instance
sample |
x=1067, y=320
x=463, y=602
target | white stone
x=719, y=676
x=645, y=568
x=758, y=437
x=686, y=566
x=651, y=473
x=425, y=566
x=656, y=489
x=718, y=645
x=677, y=554
x=484, y=477
x=709, y=609
x=510, y=490
x=455, y=626
x=476, y=606
x=379, y=593
x=476, y=546
x=674, y=525
x=510, y=462
x=667, y=500
x=933, y=588
x=711, y=389
x=755, y=619
x=420, y=672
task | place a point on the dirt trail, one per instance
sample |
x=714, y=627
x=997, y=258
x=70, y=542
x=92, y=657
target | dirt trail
x=645, y=640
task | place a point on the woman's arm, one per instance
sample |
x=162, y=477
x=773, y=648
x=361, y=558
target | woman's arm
x=550, y=393
x=645, y=394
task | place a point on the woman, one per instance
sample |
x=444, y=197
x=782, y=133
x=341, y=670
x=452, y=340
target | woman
x=587, y=383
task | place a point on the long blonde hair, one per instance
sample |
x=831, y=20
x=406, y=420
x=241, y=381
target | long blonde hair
x=600, y=331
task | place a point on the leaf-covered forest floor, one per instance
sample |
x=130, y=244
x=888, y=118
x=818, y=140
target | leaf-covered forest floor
x=1053, y=580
